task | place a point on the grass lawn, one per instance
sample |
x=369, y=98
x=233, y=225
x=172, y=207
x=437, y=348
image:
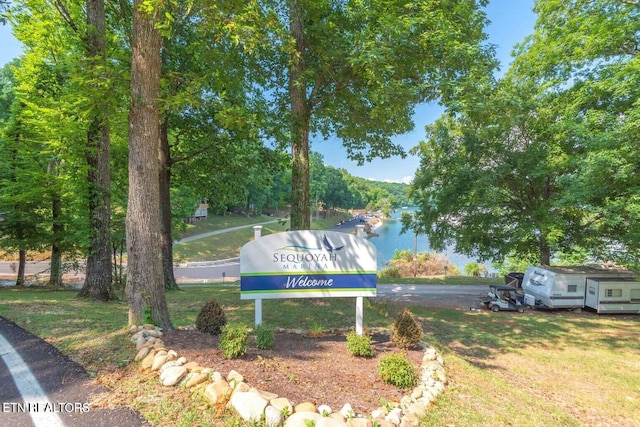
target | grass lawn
x=531, y=369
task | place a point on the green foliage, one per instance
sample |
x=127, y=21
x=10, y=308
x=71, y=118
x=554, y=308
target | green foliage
x=406, y=332
x=359, y=345
x=545, y=166
x=397, y=369
x=389, y=273
x=234, y=340
x=475, y=269
x=211, y=318
x=265, y=336
x=425, y=264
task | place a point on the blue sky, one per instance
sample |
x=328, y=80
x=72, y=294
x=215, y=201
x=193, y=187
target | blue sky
x=511, y=22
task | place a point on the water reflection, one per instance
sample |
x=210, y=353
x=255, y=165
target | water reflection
x=389, y=240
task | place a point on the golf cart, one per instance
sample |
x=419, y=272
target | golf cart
x=501, y=297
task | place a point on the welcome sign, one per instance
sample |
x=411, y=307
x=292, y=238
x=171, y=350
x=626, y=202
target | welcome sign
x=308, y=264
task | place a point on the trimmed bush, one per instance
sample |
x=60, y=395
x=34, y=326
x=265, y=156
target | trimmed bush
x=359, y=345
x=264, y=336
x=211, y=318
x=234, y=340
x=396, y=369
x=407, y=332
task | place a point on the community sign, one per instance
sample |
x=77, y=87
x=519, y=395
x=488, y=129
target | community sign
x=308, y=264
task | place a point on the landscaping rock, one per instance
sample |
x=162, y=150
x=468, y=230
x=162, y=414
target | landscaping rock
x=147, y=361
x=172, y=375
x=272, y=416
x=218, y=392
x=330, y=422
x=242, y=386
x=195, y=379
x=142, y=353
x=234, y=378
x=250, y=406
x=298, y=419
x=347, y=411
x=193, y=367
x=305, y=407
x=159, y=360
x=265, y=394
x=394, y=416
x=281, y=403
x=360, y=422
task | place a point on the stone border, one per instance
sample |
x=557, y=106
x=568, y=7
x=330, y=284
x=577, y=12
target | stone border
x=255, y=405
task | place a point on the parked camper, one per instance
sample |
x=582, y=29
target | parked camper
x=564, y=287
x=613, y=295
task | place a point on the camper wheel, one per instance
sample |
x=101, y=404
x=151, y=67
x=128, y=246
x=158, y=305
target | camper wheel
x=495, y=308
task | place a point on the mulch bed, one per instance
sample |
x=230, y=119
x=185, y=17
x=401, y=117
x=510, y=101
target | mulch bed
x=316, y=369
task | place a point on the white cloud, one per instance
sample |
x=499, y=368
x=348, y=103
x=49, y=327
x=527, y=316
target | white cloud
x=407, y=179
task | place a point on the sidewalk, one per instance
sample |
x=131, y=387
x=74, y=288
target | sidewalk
x=221, y=231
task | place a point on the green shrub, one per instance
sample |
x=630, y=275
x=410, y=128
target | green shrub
x=264, y=336
x=396, y=369
x=211, y=318
x=407, y=332
x=234, y=340
x=389, y=273
x=359, y=345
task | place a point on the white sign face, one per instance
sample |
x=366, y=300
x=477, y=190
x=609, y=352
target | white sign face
x=308, y=264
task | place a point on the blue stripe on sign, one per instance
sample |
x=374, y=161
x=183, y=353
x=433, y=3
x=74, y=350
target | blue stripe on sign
x=319, y=282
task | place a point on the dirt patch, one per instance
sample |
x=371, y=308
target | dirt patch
x=302, y=368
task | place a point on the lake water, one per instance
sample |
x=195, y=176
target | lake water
x=389, y=240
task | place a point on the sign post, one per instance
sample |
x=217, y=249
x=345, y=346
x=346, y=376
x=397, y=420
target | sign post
x=308, y=264
x=257, y=233
x=359, y=300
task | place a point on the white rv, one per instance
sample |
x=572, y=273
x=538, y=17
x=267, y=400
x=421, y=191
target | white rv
x=613, y=295
x=564, y=287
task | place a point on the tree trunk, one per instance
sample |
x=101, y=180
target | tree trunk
x=545, y=252
x=145, y=284
x=165, y=208
x=22, y=262
x=300, y=116
x=55, y=269
x=99, y=275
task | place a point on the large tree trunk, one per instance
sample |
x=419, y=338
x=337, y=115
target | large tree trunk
x=165, y=208
x=99, y=275
x=57, y=228
x=300, y=116
x=145, y=284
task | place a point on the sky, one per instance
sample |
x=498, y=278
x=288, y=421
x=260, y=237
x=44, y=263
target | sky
x=511, y=22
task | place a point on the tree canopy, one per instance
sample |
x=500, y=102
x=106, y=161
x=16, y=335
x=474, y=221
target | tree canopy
x=544, y=166
x=355, y=70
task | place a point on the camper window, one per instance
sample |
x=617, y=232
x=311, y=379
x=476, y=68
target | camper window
x=592, y=290
x=614, y=292
x=635, y=294
x=572, y=288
